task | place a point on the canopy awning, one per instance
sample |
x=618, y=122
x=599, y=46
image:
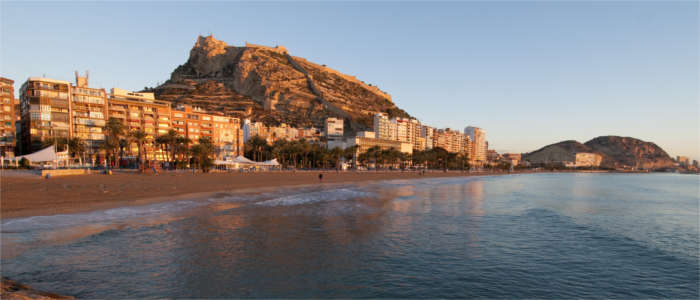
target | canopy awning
x=243, y=160
x=46, y=154
x=272, y=163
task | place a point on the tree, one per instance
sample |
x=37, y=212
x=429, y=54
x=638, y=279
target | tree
x=114, y=131
x=77, y=147
x=24, y=163
x=182, y=147
x=202, y=152
x=139, y=137
x=256, y=147
x=463, y=158
x=335, y=155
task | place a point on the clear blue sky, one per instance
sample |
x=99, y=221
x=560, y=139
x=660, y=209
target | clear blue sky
x=529, y=73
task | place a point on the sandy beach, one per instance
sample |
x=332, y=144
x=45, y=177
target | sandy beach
x=25, y=196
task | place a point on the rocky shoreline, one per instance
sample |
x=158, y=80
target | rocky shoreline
x=10, y=290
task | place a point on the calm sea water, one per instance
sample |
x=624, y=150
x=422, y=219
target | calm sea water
x=518, y=236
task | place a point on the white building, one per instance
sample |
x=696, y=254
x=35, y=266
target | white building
x=334, y=127
x=428, y=133
x=246, y=130
x=383, y=128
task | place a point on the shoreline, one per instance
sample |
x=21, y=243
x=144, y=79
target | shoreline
x=28, y=196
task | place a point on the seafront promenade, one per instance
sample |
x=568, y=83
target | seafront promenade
x=27, y=194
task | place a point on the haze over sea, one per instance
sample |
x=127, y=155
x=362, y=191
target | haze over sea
x=515, y=236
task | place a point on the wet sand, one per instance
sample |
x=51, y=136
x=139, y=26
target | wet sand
x=25, y=196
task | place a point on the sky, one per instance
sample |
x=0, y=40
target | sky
x=529, y=73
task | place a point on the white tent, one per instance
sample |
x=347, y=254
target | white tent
x=223, y=162
x=271, y=163
x=243, y=160
x=47, y=154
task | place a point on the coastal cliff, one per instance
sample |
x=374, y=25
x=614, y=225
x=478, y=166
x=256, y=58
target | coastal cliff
x=616, y=152
x=268, y=84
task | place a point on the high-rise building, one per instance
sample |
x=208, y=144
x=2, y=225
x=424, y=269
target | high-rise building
x=7, y=117
x=402, y=129
x=383, y=128
x=466, y=144
x=45, y=112
x=479, y=146
x=428, y=133
x=88, y=111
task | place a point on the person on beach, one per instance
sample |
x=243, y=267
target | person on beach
x=320, y=177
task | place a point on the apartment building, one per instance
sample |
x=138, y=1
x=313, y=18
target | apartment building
x=383, y=127
x=364, y=143
x=7, y=117
x=227, y=136
x=283, y=132
x=88, y=111
x=309, y=134
x=334, y=127
x=141, y=111
x=45, y=112
x=251, y=129
x=193, y=122
x=428, y=133
x=479, y=145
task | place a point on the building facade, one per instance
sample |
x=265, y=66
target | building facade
x=88, y=111
x=195, y=123
x=45, y=112
x=141, y=111
x=8, y=116
x=363, y=144
x=383, y=127
x=334, y=127
x=479, y=146
x=585, y=159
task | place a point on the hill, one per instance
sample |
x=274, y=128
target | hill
x=616, y=151
x=619, y=152
x=268, y=84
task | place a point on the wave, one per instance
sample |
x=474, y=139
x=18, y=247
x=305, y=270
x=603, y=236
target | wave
x=317, y=196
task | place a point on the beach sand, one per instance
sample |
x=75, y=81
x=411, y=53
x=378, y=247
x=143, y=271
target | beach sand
x=25, y=196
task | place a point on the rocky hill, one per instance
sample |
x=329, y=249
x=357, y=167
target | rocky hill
x=616, y=151
x=620, y=151
x=268, y=84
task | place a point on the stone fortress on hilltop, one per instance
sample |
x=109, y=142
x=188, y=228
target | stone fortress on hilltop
x=268, y=84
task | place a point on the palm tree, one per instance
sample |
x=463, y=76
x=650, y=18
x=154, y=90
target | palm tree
x=76, y=147
x=123, y=144
x=114, y=130
x=336, y=154
x=139, y=137
x=256, y=146
x=181, y=147
x=202, y=153
x=171, y=138
x=162, y=143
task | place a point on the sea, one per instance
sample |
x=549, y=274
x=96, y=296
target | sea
x=559, y=235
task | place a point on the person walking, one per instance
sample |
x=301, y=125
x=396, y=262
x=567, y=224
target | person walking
x=320, y=177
